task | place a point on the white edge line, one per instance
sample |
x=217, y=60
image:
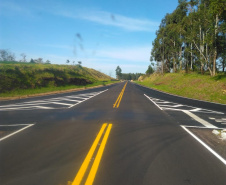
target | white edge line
x=179, y=96
x=205, y=145
x=16, y=132
x=153, y=101
x=87, y=99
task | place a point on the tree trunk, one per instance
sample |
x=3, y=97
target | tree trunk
x=200, y=49
x=163, y=58
x=180, y=55
x=174, y=65
x=191, y=56
x=174, y=60
x=215, y=46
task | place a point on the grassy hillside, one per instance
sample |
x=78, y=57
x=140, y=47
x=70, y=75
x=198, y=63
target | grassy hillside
x=193, y=85
x=25, y=78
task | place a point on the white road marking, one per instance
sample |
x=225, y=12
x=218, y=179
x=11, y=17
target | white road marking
x=218, y=120
x=52, y=102
x=203, y=122
x=167, y=108
x=202, y=127
x=28, y=125
x=205, y=145
x=19, y=105
x=152, y=101
x=83, y=98
x=64, y=101
x=162, y=101
x=162, y=105
x=211, y=118
x=42, y=107
x=30, y=107
x=196, y=109
x=172, y=105
x=88, y=98
x=221, y=120
x=166, y=105
x=14, y=125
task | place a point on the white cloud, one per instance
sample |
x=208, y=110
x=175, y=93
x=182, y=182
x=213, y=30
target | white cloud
x=57, y=46
x=96, y=16
x=130, y=59
x=111, y=19
x=13, y=9
x=131, y=54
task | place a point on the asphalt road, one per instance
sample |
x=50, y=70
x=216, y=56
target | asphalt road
x=146, y=145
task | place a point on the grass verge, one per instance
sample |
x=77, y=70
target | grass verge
x=196, y=86
x=22, y=93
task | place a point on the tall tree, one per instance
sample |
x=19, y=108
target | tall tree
x=192, y=36
x=118, y=72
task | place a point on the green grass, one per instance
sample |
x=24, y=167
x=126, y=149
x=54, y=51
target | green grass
x=27, y=92
x=196, y=86
x=18, y=79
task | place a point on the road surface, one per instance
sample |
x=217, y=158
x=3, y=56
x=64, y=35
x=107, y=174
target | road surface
x=122, y=134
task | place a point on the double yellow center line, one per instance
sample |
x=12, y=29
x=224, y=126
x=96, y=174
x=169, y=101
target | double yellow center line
x=117, y=103
x=89, y=181
x=102, y=137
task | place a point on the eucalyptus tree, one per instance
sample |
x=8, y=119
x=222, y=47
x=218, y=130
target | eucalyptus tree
x=193, y=34
x=217, y=10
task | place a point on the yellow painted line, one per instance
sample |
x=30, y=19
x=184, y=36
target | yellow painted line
x=85, y=164
x=121, y=95
x=117, y=102
x=120, y=98
x=96, y=163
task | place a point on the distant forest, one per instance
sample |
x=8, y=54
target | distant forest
x=192, y=38
x=126, y=76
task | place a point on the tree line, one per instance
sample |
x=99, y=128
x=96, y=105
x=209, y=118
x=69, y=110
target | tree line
x=192, y=37
x=126, y=76
x=7, y=55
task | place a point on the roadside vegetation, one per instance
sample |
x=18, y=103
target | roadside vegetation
x=188, y=56
x=192, y=38
x=191, y=85
x=23, y=78
x=126, y=76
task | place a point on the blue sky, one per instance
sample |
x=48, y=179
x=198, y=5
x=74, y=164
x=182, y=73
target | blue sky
x=101, y=33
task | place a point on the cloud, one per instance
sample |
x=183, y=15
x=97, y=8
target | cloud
x=67, y=47
x=96, y=16
x=110, y=19
x=131, y=54
x=12, y=9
